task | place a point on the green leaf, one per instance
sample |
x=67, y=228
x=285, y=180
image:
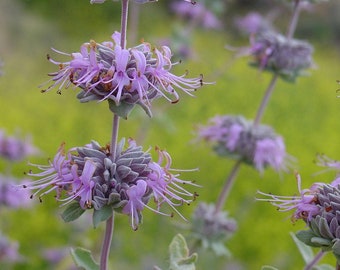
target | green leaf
x=101, y=215
x=179, y=255
x=268, y=267
x=72, y=212
x=83, y=258
x=306, y=251
x=123, y=109
x=306, y=237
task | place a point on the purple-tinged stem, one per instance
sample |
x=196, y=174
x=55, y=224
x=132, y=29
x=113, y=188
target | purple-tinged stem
x=114, y=138
x=337, y=267
x=107, y=243
x=227, y=187
x=265, y=99
x=294, y=20
x=316, y=259
x=104, y=258
x=270, y=89
x=124, y=20
x=232, y=176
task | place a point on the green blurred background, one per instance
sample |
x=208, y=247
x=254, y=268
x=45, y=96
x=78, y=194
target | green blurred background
x=306, y=113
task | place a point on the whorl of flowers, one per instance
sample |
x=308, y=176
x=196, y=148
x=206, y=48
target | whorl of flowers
x=319, y=207
x=8, y=251
x=253, y=23
x=238, y=138
x=212, y=228
x=88, y=177
x=124, y=77
x=199, y=13
x=137, y=1
x=14, y=148
x=286, y=57
x=12, y=196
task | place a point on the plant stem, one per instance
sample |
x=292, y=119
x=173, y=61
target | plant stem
x=124, y=20
x=227, y=186
x=265, y=99
x=232, y=176
x=270, y=89
x=104, y=258
x=106, y=243
x=114, y=138
x=294, y=20
x=316, y=259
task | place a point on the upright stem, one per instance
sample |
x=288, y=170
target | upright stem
x=114, y=138
x=106, y=243
x=227, y=187
x=265, y=99
x=270, y=89
x=124, y=20
x=316, y=259
x=232, y=176
x=113, y=149
x=294, y=20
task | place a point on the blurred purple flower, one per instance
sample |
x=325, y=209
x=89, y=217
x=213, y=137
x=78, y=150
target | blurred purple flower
x=11, y=195
x=15, y=148
x=286, y=57
x=106, y=71
x=253, y=23
x=211, y=229
x=198, y=13
x=237, y=138
x=88, y=175
x=9, y=250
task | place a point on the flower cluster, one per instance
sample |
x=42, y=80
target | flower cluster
x=12, y=196
x=319, y=207
x=92, y=178
x=253, y=23
x=212, y=228
x=238, y=138
x=199, y=13
x=125, y=77
x=137, y=1
x=14, y=148
x=278, y=54
x=8, y=251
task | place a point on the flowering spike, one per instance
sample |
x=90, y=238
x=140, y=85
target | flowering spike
x=238, y=138
x=106, y=71
x=89, y=176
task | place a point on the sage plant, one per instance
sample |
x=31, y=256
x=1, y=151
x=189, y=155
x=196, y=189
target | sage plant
x=249, y=141
x=318, y=207
x=118, y=177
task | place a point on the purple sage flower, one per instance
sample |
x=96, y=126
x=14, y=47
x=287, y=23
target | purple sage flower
x=88, y=177
x=137, y=1
x=319, y=208
x=253, y=23
x=11, y=195
x=198, y=13
x=237, y=138
x=211, y=229
x=14, y=148
x=124, y=77
x=286, y=57
x=9, y=250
